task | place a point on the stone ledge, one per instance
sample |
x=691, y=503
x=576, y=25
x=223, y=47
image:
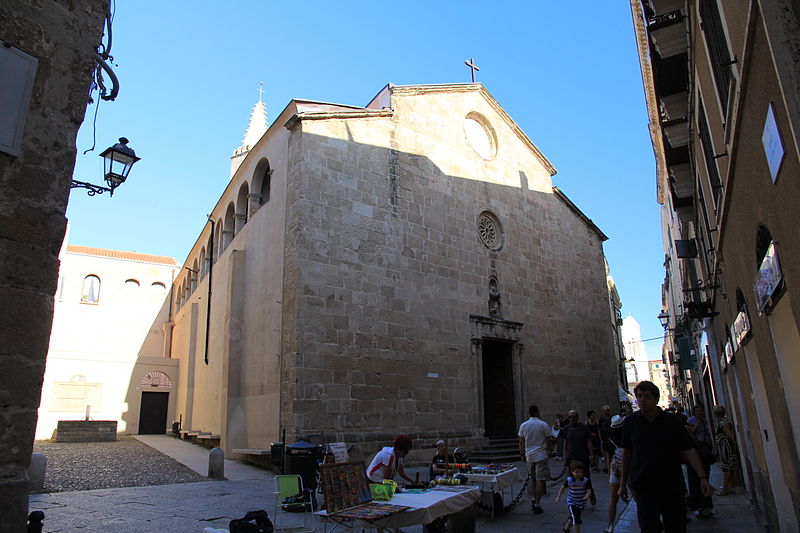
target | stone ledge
x=86, y=431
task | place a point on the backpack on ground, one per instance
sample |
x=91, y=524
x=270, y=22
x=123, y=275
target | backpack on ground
x=253, y=522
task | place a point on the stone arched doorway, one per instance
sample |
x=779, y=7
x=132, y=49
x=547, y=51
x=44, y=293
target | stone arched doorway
x=154, y=405
x=497, y=353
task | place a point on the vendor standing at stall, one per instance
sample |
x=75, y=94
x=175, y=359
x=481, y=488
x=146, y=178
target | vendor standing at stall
x=389, y=461
x=441, y=460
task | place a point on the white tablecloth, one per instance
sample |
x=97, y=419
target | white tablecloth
x=500, y=481
x=424, y=508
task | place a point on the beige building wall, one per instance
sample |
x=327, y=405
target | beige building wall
x=100, y=351
x=354, y=304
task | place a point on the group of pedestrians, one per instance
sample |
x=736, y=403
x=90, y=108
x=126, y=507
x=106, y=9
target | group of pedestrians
x=643, y=452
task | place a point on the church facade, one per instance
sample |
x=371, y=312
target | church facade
x=403, y=267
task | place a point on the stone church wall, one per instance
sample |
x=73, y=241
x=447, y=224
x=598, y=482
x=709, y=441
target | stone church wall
x=383, y=220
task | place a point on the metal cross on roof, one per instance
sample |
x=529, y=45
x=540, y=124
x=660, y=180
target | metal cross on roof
x=260, y=90
x=471, y=64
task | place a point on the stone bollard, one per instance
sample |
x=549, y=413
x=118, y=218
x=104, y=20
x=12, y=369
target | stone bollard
x=35, y=522
x=216, y=464
x=36, y=473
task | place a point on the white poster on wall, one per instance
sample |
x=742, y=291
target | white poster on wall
x=771, y=140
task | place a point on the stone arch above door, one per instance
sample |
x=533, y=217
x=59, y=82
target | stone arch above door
x=156, y=380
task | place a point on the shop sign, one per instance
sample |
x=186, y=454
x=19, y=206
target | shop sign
x=732, y=339
x=768, y=279
x=740, y=328
x=687, y=355
x=771, y=141
x=729, y=352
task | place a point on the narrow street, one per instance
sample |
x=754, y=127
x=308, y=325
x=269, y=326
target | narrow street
x=190, y=507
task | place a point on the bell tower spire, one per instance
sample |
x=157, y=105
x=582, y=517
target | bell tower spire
x=255, y=130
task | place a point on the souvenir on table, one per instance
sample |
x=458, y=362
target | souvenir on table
x=453, y=488
x=492, y=469
x=461, y=467
x=345, y=489
x=369, y=512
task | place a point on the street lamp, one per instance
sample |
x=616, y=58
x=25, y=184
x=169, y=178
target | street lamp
x=663, y=317
x=117, y=163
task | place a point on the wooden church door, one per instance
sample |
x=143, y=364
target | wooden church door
x=499, y=410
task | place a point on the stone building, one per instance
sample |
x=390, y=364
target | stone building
x=723, y=92
x=47, y=56
x=403, y=267
x=109, y=350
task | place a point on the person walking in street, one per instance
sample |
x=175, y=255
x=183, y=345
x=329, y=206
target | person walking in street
x=604, y=427
x=594, y=431
x=579, y=490
x=559, y=425
x=652, y=442
x=704, y=444
x=614, y=471
x=578, y=445
x=727, y=452
x=534, y=435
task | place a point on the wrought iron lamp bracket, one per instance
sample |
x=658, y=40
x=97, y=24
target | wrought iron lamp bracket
x=93, y=190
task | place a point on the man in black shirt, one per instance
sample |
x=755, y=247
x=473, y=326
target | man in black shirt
x=652, y=443
x=578, y=442
x=578, y=446
x=440, y=461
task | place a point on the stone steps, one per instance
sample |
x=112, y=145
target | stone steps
x=499, y=450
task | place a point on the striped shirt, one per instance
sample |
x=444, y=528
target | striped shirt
x=577, y=490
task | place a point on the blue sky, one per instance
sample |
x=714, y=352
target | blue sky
x=567, y=73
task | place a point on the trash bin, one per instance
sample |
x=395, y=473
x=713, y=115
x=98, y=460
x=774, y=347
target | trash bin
x=303, y=458
x=176, y=427
x=276, y=453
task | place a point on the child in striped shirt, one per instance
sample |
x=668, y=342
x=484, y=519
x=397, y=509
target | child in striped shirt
x=579, y=492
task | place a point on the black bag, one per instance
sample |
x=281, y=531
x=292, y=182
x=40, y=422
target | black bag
x=253, y=522
x=301, y=502
x=705, y=451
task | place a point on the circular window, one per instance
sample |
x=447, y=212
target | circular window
x=480, y=135
x=489, y=230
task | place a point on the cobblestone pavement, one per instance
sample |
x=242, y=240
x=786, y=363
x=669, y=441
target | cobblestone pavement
x=190, y=507
x=101, y=465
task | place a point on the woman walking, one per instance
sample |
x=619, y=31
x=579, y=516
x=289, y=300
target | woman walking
x=614, y=471
x=727, y=453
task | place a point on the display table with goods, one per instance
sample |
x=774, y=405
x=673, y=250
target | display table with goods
x=349, y=502
x=494, y=481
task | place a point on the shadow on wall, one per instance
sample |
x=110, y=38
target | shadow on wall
x=152, y=384
x=385, y=258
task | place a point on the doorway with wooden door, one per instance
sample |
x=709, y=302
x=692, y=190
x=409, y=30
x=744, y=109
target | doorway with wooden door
x=499, y=409
x=153, y=413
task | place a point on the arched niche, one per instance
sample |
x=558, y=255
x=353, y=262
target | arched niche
x=228, y=226
x=242, y=206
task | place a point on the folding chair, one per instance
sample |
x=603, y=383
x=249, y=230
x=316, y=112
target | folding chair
x=287, y=485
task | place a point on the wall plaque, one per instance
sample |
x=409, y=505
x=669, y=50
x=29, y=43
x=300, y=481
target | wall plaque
x=72, y=397
x=17, y=72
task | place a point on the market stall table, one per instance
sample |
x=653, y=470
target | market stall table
x=423, y=506
x=498, y=481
